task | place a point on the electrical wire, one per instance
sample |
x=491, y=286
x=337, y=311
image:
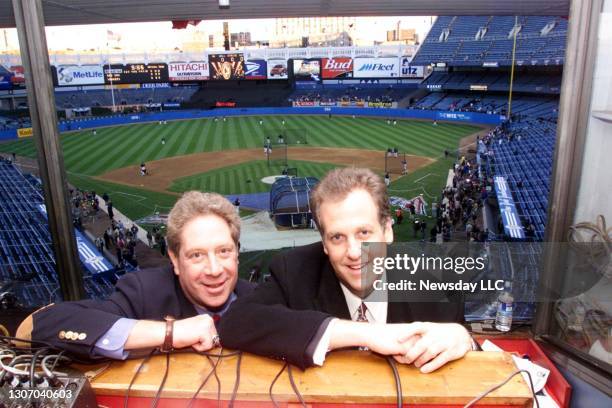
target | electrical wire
x=236, y=383
x=490, y=390
x=295, y=388
x=161, y=386
x=203, y=383
x=398, y=382
x=274, y=382
x=214, y=369
x=142, y=363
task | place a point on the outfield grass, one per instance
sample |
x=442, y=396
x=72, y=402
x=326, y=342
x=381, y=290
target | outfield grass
x=86, y=155
x=246, y=177
x=121, y=146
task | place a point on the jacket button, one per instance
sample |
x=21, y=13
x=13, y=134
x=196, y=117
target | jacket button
x=61, y=335
x=69, y=335
x=82, y=336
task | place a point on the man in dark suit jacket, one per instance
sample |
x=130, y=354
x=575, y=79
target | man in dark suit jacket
x=191, y=295
x=315, y=300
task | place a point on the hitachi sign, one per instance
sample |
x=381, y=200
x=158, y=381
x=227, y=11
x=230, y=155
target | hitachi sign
x=337, y=65
x=191, y=66
x=377, y=67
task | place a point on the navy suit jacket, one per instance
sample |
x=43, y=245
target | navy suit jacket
x=148, y=294
x=281, y=317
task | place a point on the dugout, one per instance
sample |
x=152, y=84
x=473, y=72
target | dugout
x=290, y=201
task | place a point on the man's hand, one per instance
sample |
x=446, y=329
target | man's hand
x=197, y=332
x=386, y=339
x=437, y=344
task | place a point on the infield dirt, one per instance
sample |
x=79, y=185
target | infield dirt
x=163, y=172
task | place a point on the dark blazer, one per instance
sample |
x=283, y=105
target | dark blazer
x=146, y=294
x=280, y=318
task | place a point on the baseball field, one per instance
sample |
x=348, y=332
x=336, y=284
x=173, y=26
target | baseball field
x=226, y=155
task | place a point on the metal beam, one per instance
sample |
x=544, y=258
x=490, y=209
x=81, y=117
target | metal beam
x=41, y=100
x=574, y=111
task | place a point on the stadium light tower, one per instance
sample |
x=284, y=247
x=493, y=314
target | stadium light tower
x=224, y=4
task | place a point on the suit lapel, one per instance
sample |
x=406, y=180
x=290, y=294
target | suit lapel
x=330, y=298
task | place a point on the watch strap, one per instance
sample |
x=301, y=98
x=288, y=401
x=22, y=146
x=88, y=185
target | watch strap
x=168, y=338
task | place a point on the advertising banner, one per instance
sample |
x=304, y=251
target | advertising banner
x=510, y=217
x=225, y=104
x=307, y=70
x=71, y=75
x=18, y=75
x=380, y=104
x=188, y=71
x=277, y=69
x=303, y=103
x=226, y=66
x=376, y=67
x=332, y=103
x=339, y=67
x=409, y=71
x=24, y=132
x=256, y=69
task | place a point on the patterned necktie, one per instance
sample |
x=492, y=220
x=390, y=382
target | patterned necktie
x=361, y=313
x=361, y=317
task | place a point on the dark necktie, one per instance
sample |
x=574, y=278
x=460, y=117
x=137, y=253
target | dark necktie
x=216, y=317
x=361, y=313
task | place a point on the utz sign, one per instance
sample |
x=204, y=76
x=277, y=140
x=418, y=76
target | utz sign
x=376, y=68
x=188, y=71
x=334, y=68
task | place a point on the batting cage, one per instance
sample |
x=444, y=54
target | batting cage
x=288, y=136
x=276, y=155
x=289, y=201
x=395, y=162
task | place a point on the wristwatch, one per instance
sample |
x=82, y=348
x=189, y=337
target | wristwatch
x=167, y=346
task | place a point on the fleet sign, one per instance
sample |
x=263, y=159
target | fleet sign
x=376, y=68
x=188, y=71
x=71, y=75
x=334, y=68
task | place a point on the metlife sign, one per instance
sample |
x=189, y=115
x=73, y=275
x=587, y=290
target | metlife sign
x=71, y=75
x=376, y=68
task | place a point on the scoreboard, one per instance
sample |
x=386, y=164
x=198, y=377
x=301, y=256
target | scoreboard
x=226, y=66
x=135, y=73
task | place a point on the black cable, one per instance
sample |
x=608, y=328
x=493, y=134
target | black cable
x=236, y=383
x=398, y=382
x=33, y=366
x=203, y=383
x=490, y=390
x=274, y=382
x=295, y=388
x=214, y=368
x=142, y=363
x=161, y=386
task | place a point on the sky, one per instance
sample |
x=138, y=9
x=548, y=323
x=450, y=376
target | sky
x=161, y=36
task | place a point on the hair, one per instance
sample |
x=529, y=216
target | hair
x=195, y=204
x=338, y=183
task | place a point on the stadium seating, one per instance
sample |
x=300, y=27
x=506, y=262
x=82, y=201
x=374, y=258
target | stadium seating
x=525, y=160
x=525, y=82
x=27, y=261
x=362, y=92
x=482, y=40
x=141, y=96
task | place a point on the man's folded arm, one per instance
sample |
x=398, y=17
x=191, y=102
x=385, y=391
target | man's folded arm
x=77, y=326
x=262, y=323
